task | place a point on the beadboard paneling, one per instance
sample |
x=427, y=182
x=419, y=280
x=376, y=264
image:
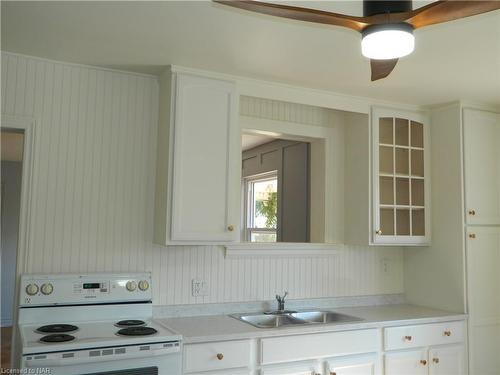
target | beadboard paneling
x=288, y=112
x=93, y=194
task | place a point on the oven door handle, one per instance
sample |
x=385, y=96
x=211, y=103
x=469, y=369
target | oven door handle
x=77, y=359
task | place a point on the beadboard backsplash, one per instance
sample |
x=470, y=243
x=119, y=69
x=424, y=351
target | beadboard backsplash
x=93, y=193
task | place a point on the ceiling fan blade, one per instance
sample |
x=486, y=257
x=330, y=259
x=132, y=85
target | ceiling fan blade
x=302, y=14
x=444, y=11
x=382, y=68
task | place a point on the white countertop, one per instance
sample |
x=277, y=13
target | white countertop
x=223, y=327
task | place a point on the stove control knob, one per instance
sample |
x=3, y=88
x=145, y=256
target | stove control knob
x=31, y=289
x=131, y=286
x=47, y=288
x=143, y=285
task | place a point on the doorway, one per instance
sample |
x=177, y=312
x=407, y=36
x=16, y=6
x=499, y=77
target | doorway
x=12, y=151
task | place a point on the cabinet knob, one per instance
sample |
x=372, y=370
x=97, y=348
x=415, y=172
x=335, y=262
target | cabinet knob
x=435, y=360
x=447, y=333
x=220, y=356
x=333, y=373
x=379, y=232
x=472, y=235
x=408, y=338
x=230, y=227
x=423, y=362
x=472, y=212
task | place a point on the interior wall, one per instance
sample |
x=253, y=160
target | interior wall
x=434, y=275
x=11, y=203
x=93, y=194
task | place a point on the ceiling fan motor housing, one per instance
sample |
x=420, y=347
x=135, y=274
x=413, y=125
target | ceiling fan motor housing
x=373, y=7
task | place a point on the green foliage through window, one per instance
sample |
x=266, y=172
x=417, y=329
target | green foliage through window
x=269, y=209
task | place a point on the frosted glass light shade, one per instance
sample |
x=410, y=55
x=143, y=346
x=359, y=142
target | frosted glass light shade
x=383, y=42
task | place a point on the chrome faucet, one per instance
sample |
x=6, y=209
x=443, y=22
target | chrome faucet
x=281, y=301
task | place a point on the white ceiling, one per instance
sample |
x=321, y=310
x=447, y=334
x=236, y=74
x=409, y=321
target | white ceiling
x=456, y=60
x=249, y=141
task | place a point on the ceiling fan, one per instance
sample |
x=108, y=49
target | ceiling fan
x=386, y=26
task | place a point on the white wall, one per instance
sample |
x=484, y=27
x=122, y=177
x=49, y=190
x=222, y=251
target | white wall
x=444, y=260
x=93, y=195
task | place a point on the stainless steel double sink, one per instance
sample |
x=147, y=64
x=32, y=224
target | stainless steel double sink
x=277, y=319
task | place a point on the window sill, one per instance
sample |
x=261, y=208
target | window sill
x=281, y=249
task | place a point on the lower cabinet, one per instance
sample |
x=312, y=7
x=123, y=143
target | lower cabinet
x=422, y=349
x=444, y=360
x=447, y=360
x=425, y=349
x=355, y=365
x=483, y=286
x=218, y=356
x=293, y=369
x=409, y=362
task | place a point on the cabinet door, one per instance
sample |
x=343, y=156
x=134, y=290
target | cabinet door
x=482, y=166
x=356, y=365
x=447, y=360
x=401, y=178
x=292, y=369
x=411, y=362
x=483, y=286
x=206, y=161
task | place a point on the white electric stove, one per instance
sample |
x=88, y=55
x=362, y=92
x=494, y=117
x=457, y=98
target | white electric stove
x=94, y=324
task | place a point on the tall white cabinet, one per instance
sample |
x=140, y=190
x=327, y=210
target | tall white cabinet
x=462, y=265
x=481, y=131
x=198, y=166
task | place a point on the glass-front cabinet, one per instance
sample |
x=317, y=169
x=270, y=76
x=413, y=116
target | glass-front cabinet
x=401, y=177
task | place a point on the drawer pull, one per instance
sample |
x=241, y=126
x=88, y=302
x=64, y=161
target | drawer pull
x=230, y=228
x=472, y=235
x=435, y=360
x=333, y=373
x=447, y=333
x=472, y=212
x=408, y=338
x=220, y=356
x=423, y=362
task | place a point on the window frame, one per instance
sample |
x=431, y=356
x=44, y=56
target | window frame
x=248, y=204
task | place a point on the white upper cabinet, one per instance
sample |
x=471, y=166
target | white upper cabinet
x=198, y=170
x=482, y=166
x=400, y=178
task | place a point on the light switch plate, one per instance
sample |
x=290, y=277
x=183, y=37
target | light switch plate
x=199, y=288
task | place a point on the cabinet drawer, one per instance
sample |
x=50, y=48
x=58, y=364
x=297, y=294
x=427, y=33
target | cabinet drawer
x=216, y=355
x=423, y=335
x=303, y=347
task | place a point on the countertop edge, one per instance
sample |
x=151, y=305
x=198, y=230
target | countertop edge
x=256, y=333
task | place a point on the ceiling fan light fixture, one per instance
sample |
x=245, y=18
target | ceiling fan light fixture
x=387, y=41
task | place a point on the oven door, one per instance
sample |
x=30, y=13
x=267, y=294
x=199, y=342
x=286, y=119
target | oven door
x=156, y=359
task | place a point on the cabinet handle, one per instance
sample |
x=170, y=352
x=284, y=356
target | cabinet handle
x=220, y=356
x=379, y=232
x=472, y=212
x=230, y=228
x=447, y=333
x=333, y=373
x=472, y=235
x=423, y=362
x=435, y=360
x=408, y=338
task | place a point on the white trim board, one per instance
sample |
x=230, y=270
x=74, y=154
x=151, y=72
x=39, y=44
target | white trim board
x=281, y=249
x=297, y=94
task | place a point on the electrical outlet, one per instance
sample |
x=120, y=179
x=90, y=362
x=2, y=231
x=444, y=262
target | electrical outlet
x=199, y=288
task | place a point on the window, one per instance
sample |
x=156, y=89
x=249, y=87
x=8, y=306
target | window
x=261, y=207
